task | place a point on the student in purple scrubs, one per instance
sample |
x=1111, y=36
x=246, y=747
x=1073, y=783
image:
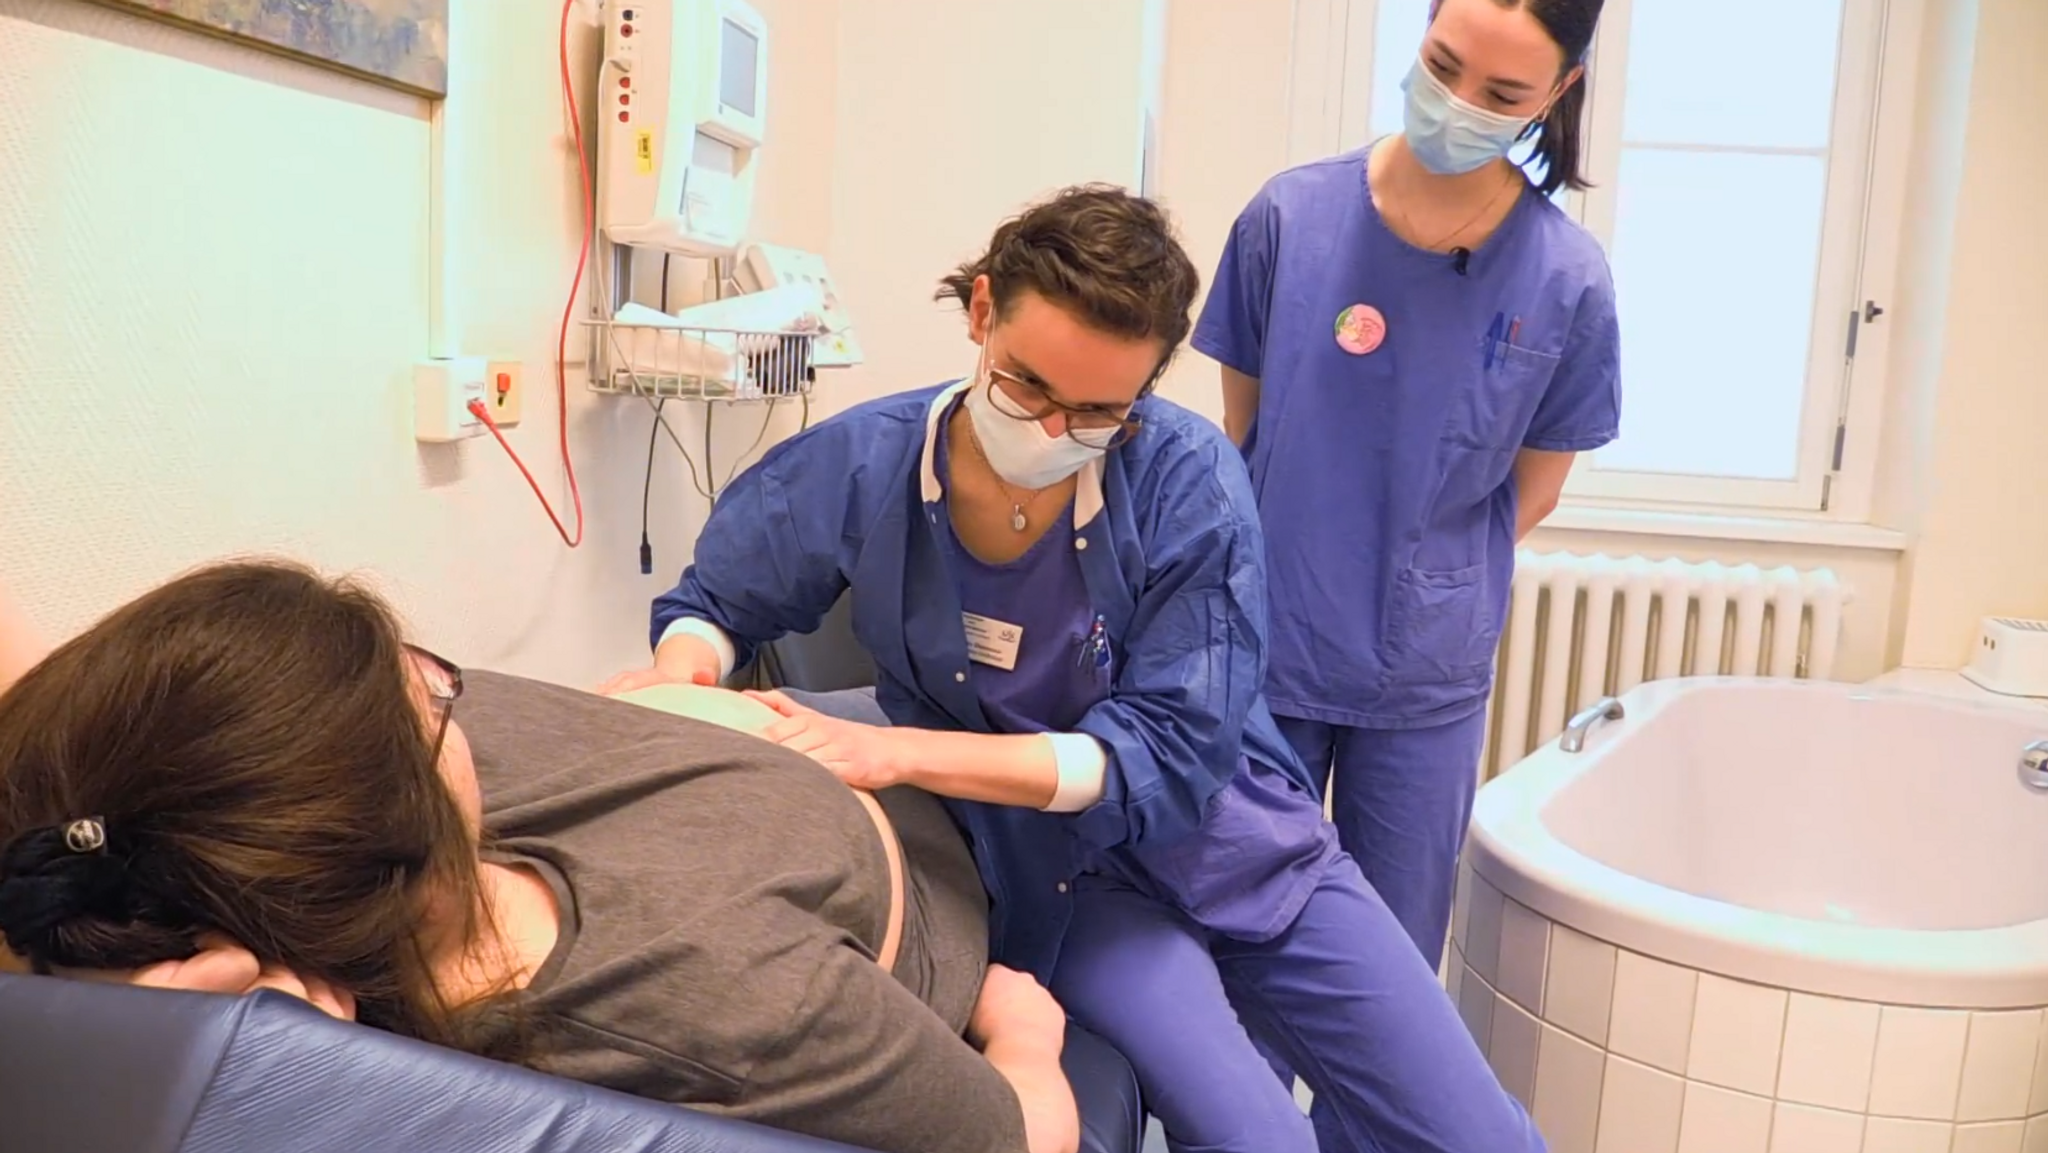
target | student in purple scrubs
x=1415, y=343
x=1060, y=578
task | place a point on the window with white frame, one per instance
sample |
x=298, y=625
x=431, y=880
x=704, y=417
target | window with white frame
x=1731, y=148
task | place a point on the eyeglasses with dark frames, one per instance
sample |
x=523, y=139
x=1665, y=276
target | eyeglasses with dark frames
x=1028, y=400
x=443, y=682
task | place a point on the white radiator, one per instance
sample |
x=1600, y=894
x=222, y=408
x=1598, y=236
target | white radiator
x=1583, y=627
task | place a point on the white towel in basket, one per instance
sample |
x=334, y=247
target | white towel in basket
x=649, y=342
x=705, y=341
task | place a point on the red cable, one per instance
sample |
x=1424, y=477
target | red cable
x=478, y=408
x=482, y=413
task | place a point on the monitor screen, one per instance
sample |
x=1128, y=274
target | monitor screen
x=739, y=64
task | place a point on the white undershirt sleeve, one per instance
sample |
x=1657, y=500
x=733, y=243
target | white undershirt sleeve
x=711, y=635
x=1082, y=765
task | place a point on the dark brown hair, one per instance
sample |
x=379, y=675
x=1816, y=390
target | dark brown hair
x=248, y=735
x=1109, y=257
x=1560, y=135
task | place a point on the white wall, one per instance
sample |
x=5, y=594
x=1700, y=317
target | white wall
x=1223, y=132
x=213, y=279
x=216, y=277
x=1010, y=99
x=1948, y=53
x=218, y=269
x=950, y=117
x=1978, y=419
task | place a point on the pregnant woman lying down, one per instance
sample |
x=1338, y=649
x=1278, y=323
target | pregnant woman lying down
x=247, y=779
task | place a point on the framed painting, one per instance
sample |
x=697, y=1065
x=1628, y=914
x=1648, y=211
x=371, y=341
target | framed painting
x=400, y=43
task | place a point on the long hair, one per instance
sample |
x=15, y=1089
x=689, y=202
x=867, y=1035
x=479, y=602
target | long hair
x=250, y=740
x=1560, y=135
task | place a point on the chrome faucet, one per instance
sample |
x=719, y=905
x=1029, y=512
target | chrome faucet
x=2034, y=766
x=1608, y=709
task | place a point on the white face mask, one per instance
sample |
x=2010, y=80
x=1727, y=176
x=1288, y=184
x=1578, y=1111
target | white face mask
x=1020, y=450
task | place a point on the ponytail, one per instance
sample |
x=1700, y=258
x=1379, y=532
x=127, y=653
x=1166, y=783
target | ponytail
x=1560, y=141
x=1560, y=137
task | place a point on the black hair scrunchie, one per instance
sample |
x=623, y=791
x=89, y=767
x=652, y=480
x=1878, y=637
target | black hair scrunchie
x=52, y=876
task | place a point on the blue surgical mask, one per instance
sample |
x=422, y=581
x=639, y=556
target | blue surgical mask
x=1449, y=136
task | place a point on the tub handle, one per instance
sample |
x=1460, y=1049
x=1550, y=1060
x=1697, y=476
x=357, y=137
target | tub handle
x=2034, y=766
x=1604, y=709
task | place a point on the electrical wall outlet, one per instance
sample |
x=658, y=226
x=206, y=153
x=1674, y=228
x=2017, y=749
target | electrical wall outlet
x=442, y=391
x=504, y=391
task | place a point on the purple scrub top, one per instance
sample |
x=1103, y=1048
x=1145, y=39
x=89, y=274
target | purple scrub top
x=1397, y=386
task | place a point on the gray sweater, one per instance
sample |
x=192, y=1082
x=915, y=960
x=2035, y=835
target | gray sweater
x=722, y=904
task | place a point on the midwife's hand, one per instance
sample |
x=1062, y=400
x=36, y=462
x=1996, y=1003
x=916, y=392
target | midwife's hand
x=681, y=660
x=864, y=756
x=631, y=680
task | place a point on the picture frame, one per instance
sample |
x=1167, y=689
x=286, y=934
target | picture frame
x=402, y=44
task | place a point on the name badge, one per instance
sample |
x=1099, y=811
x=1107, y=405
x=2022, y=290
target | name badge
x=992, y=642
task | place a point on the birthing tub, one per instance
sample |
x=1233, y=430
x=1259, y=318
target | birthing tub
x=1767, y=917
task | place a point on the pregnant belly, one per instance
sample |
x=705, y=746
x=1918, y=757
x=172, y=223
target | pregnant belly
x=744, y=714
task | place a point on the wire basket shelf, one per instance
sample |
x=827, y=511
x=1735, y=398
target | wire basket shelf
x=683, y=362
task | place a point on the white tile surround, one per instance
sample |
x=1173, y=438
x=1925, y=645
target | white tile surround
x=1614, y=1052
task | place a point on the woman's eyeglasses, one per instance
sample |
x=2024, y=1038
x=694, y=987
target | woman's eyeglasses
x=1022, y=399
x=443, y=682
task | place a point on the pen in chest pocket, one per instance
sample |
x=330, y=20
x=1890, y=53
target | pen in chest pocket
x=1094, y=651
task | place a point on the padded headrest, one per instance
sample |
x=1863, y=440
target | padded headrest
x=91, y=1068
x=86, y=1068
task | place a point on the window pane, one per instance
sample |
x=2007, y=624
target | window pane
x=1715, y=257
x=1759, y=73
x=1396, y=41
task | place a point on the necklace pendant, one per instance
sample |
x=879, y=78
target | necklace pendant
x=1017, y=521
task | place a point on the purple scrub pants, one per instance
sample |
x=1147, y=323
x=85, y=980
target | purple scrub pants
x=1341, y=994
x=1401, y=799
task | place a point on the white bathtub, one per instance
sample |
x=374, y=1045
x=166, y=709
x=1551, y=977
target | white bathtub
x=1779, y=917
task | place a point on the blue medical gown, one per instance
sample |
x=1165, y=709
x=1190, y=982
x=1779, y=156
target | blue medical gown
x=1172, y=556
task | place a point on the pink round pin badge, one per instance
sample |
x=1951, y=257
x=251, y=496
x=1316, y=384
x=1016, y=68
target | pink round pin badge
x=1360, y=329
